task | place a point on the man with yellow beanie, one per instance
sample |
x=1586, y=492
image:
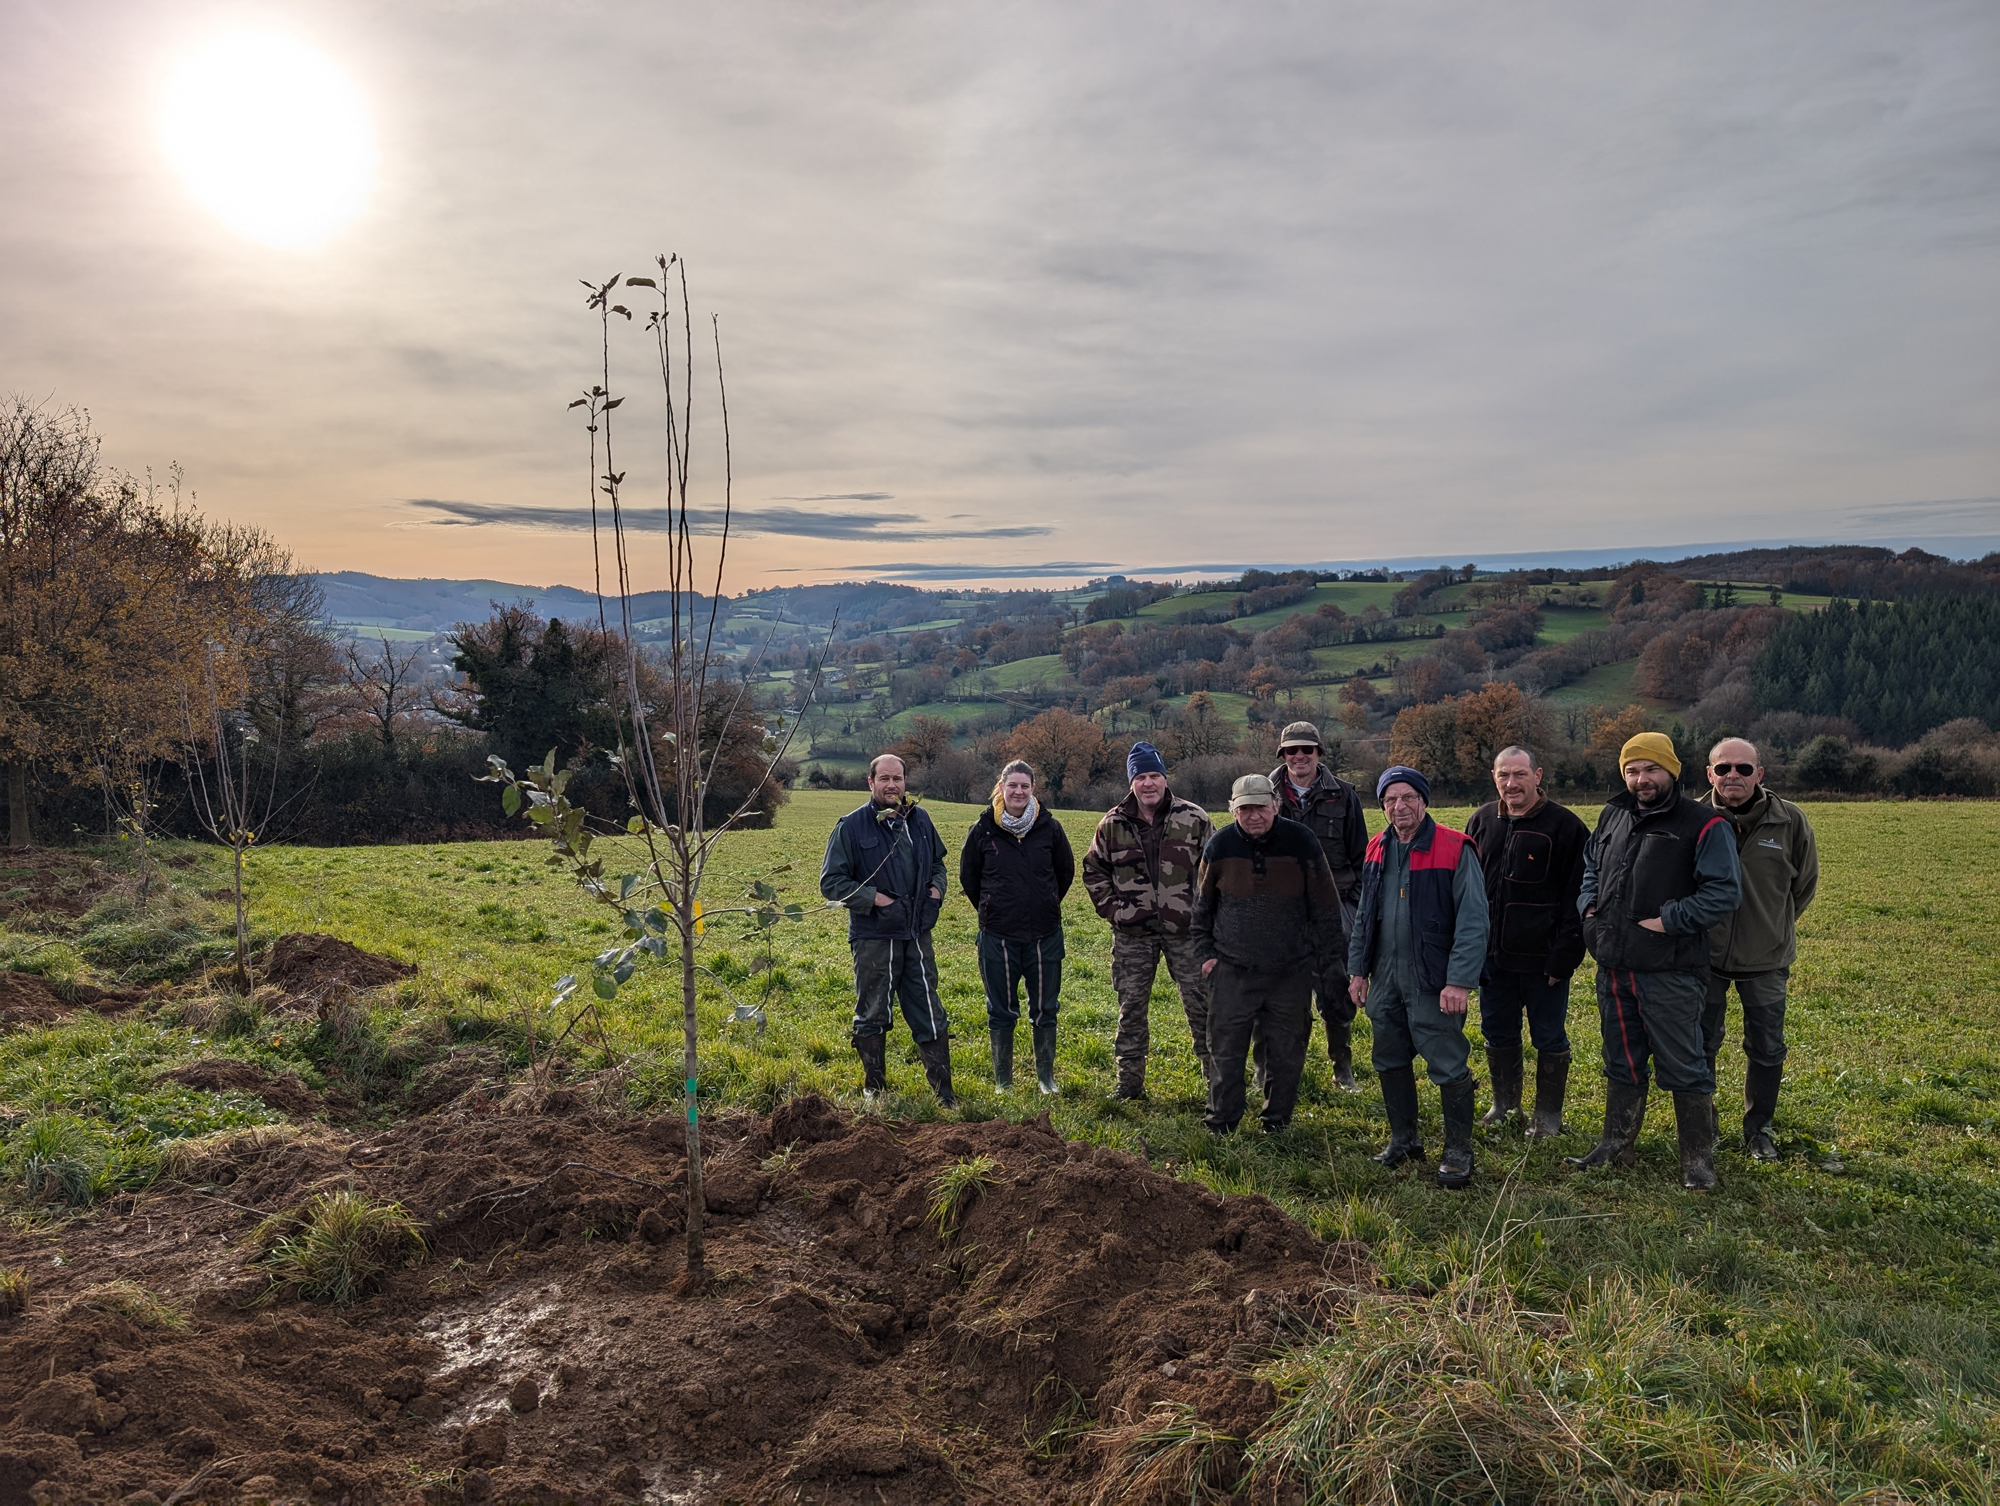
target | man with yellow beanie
x=1658, y=873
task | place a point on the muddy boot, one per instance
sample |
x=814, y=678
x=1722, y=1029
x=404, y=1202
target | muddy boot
x=1694, y=1122
x=874, y=1053
x=1760, y=1100
x=1340, y=1051
x=1504, y=1062
x=1045, y=1057
x=1130, y=1089
x=1002, y=1037
x=937, y=1068
x=1551, y=1084
x=1455, y=1165
x=1624, y=1116
x=1399, y=1097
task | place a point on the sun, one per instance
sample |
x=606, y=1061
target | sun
x=271, y=137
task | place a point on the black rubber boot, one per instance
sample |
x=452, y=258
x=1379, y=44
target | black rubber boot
x=1455, y=1165
x=874, y=1053
x=1624, y=1117
x=1694, y=1122
x=1340, y=1050
x=1002, y=1037
x=1760, y=1100
x=1399, y=1097
x=1045, y=1058
x=937, y=1067
x=1504, y=1062
x=1551, y=1085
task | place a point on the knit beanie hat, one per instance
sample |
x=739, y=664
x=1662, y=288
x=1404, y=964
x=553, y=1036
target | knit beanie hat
x=1403, y=774
x=1656, y=746
x=1144, y=759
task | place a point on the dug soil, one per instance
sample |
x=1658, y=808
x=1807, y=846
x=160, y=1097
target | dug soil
x=549, y=1347
x=305, y=963
x=26, y=999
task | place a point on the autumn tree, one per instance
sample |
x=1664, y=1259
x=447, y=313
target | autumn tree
x=1200, y=731
x=1067, y=751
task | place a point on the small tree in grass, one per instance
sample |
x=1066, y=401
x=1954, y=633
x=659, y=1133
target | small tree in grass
x=681, y=725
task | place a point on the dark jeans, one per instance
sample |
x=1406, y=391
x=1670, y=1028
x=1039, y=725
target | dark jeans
x=1006, y=966
x=1270, y=1012
x=1656, y=1016
x=1763, y=996
x=1505, y=997
x=908, y=971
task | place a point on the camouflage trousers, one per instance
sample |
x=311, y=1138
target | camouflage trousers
x=1135, y=959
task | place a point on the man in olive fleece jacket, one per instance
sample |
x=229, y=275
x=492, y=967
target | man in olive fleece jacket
x=1755, y=947
x=1265, y=913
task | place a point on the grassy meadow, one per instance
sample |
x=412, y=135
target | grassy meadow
x=1813, y=1330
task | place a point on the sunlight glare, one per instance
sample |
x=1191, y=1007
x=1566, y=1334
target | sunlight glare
x=271, y=136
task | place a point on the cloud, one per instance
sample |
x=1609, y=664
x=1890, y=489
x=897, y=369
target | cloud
x=790, y=522
x=915, y=570
x=843, y=497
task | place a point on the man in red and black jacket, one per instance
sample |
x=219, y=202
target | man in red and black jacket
x=1659, y=873
x=1414, y=959
x=1531, y=850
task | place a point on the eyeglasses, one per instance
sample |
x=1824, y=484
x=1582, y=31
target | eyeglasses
x=1745, y=769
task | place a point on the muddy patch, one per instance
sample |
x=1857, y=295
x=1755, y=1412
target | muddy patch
x=304, y=963
x=841, y=1348
x=284, y=1091
x=28, y=999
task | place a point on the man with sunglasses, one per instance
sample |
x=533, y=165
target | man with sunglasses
x=1311, y=794
x=1754, y=948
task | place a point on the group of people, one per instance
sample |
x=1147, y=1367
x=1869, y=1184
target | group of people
x=1292, y=906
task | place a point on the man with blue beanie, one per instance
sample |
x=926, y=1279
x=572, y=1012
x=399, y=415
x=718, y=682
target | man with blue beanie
x=1140, y=875
x=1414, y=958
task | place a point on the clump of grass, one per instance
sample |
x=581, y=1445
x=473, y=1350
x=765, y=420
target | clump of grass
x=161, y=942
x=337, y=1246
x=66, y=1160
x=128, y=1300
x=201, y=1158
x=1168, y=1455
x=959, y=1183
x=13, y=1291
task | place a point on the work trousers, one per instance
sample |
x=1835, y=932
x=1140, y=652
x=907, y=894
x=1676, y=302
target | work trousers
x=1007, y=967
x=1654, y=1016
x=1330, y=995
x=1135, y=962
x=1505, y=997
x=906, y=970
x=1408, y=1024
x=1763, y=996
x=1270, y=1014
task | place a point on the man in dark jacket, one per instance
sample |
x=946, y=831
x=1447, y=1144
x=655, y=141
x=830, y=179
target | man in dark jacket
x=1755, y=947
x=1414, y=959
x=885, y=862
x=1265, y=912
x=1015, y=869
x=1659, y=874
x=1531, y=850
x=1329, y=807
x=1140, y=871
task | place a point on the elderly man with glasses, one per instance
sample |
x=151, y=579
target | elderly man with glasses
x=1755, y=946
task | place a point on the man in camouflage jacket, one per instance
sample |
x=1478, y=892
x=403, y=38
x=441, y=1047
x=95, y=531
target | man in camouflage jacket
x=1140, y=874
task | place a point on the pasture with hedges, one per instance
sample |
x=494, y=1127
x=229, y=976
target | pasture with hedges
x=1083, y=1321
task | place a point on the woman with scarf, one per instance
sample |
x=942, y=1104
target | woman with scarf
x=1015, y=869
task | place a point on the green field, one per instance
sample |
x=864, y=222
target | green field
x=1607, y=685
x=1025, y=672
x=1801, y=1334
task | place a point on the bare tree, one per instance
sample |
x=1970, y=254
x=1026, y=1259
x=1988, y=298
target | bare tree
x=385, y=685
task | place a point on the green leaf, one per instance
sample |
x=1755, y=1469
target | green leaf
x=510, y=799
x=636, y=825
x=795, y=912
x=603, y=987
x=627, y=882
x=763, y=890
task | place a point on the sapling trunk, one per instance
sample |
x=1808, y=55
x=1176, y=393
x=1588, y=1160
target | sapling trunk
x=697, y=1255
x=242, y=925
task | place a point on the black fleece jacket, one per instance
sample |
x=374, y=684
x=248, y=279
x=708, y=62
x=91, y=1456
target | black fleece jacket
x=1017, y=883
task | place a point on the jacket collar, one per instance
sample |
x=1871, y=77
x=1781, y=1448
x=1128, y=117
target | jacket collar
x=1129, y=808
x=1626, y=800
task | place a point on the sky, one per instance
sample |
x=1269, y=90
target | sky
x=1035, y=291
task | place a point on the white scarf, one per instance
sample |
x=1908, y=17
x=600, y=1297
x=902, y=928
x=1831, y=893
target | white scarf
x=1017, y=826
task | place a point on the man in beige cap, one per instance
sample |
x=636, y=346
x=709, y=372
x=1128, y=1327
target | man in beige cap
x=1266, y=914
x=1659, y=873
x=1310, y=793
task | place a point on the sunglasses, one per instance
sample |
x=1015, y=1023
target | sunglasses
x=1745, y=769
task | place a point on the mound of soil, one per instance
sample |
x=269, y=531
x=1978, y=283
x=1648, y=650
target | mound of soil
x=283, y=1091
x=304, y=962
x=840, y=1348
x=27, y=999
